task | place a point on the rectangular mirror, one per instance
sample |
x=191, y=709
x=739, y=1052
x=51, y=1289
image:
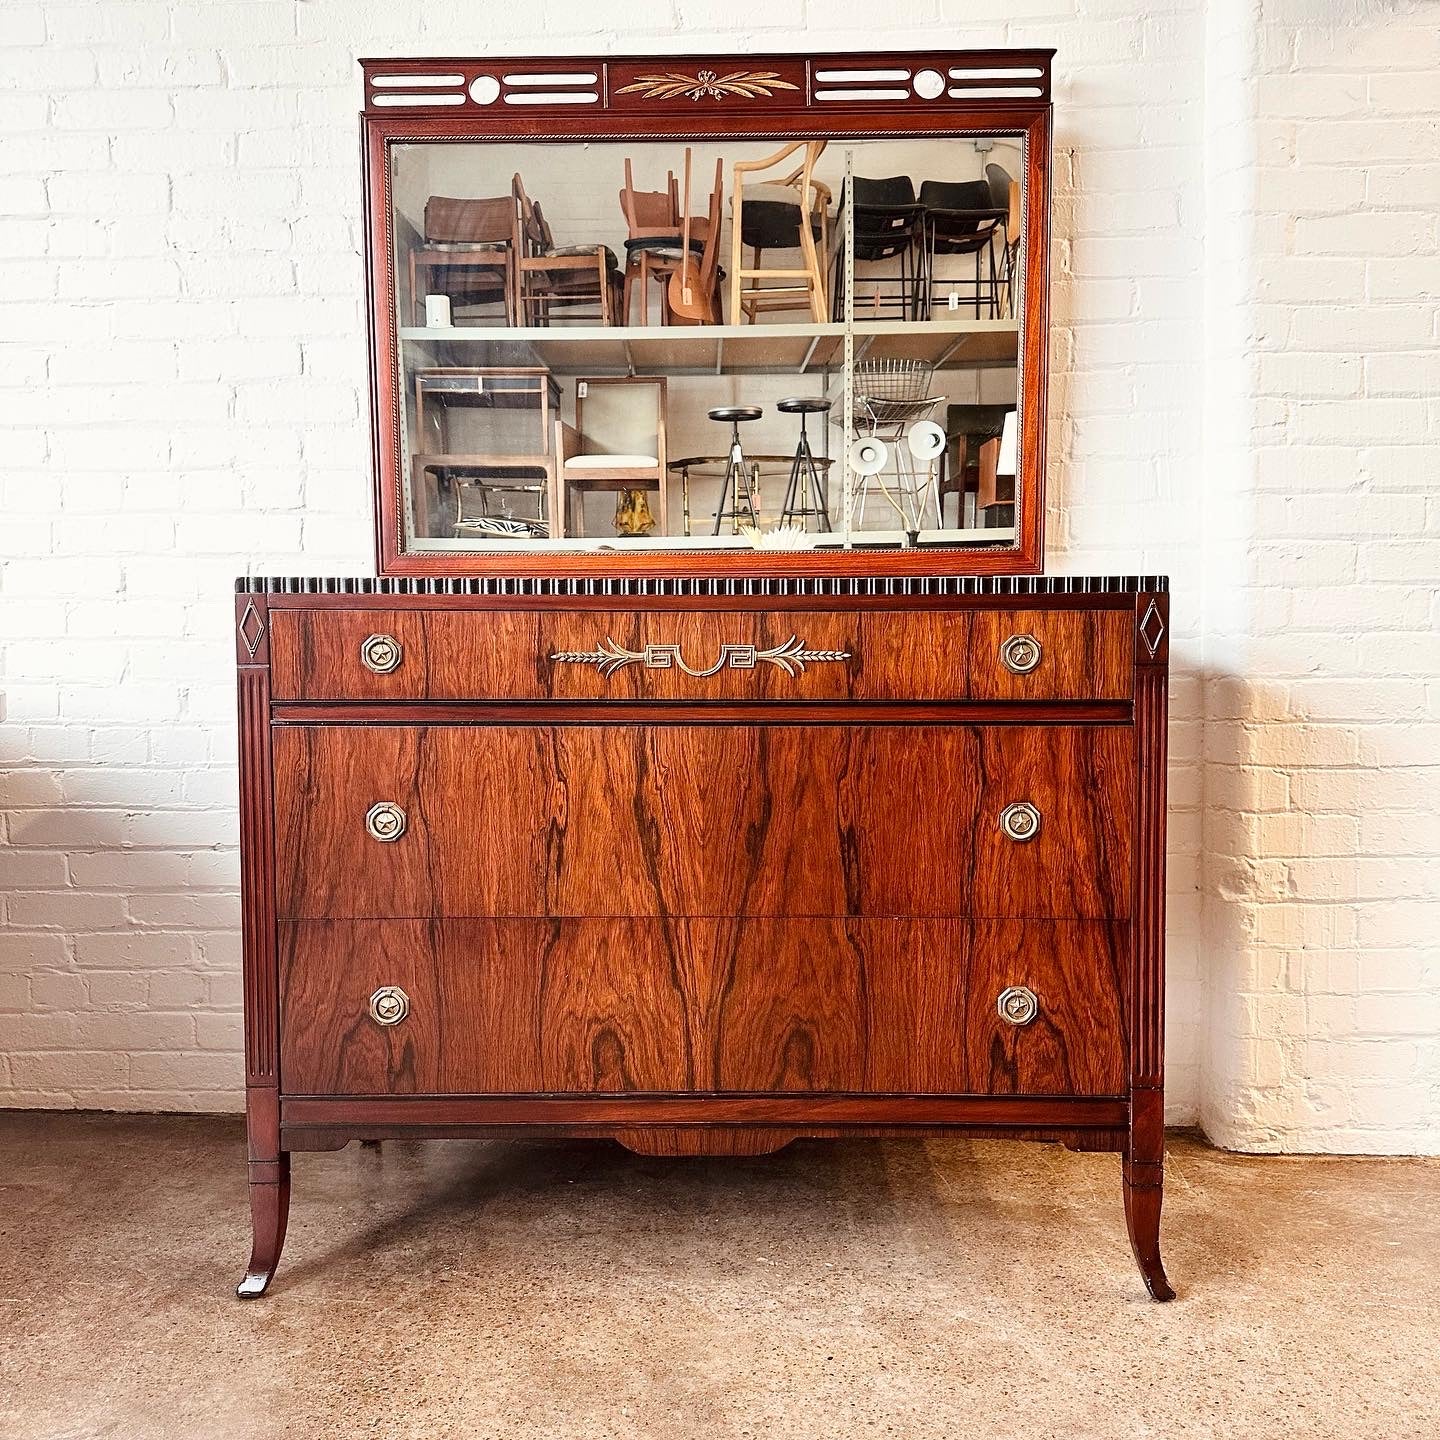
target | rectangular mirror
x=816, y=347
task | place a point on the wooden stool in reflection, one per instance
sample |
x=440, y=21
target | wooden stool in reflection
x=617, y=443
x=806, y=494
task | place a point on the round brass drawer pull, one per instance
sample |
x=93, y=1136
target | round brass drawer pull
x=381, y=653
x=389, y=1005
x=385, y=821
x=1018, y=1004
x=1020, y=821
x=1020, y=654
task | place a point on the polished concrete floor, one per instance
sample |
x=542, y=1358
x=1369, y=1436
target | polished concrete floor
x=837, y=1289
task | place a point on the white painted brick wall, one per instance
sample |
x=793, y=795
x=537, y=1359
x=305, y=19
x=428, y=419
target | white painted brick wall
x=182, y=381
x=1320, y=658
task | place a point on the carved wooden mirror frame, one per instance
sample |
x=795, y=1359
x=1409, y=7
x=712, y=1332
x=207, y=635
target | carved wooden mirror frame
x=924, y=94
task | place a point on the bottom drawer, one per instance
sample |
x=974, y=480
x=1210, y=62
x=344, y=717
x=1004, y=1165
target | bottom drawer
x=661, y=1006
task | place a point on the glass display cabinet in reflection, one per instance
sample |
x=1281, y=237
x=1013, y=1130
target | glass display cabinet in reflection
x=632, y=316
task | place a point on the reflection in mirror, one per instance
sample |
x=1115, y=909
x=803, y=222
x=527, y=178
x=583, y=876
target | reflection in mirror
x=774, y=344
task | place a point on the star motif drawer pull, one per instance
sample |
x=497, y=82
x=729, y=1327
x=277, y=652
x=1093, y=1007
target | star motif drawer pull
x=381, y=653
x=389, y=1005
x=1020, y=821
x=1020, y=654
x=385, y=821
x=1018, y=1004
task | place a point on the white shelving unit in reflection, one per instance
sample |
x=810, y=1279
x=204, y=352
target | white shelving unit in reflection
x=731, y=349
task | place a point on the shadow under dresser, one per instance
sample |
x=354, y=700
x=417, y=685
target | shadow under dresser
x=703, y=865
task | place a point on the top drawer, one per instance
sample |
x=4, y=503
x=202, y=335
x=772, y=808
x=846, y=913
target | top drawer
x=823, y=655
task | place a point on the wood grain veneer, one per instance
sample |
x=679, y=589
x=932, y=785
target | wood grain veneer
x=894, y=655
x=635, y=1006
x=701, y=820
x=704, y=918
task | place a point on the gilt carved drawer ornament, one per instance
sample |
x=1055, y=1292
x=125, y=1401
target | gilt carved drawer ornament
x=791, y=657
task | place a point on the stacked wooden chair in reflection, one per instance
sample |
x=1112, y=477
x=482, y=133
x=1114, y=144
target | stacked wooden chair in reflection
x=466, y=254
x=499, y=253
x=551, y=277
x=1005, y=195
x=660, y=244
x=788, y=214
x=693, y=293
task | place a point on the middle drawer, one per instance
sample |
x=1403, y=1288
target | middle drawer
x=537, y=821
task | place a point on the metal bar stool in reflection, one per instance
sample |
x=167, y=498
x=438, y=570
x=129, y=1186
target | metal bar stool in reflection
x=738, y=476
x=806, y=493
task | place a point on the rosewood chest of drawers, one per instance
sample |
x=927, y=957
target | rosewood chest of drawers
x=703, y=866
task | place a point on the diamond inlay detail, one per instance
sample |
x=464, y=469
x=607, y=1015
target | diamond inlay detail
x=1152, y=629
x=252, y=629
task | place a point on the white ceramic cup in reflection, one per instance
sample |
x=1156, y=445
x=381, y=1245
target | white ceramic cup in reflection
x=437, y=312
